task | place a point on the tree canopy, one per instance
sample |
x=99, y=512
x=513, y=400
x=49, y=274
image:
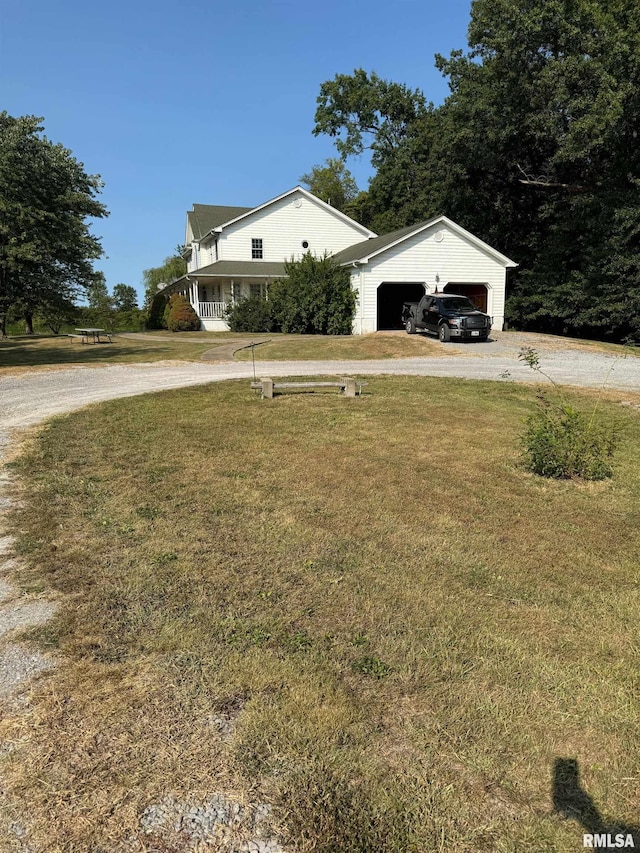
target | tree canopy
x=333, y=183
x=155, y=303
x=46, y=197
x=171, y=268
x=535, y=150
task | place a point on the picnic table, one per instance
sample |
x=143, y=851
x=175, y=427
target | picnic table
x=90, y=332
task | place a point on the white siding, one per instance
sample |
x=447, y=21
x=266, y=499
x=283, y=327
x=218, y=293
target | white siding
x=196, y=253
x=283, y=226
x=420, y=259
x=208, y=253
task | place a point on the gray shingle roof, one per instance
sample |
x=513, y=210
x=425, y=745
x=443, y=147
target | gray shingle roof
x=204, y=217
x=238, y=269
x=375, y=244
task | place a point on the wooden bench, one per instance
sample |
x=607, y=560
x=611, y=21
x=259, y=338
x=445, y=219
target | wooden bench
x=83, y=338
x=267, y=386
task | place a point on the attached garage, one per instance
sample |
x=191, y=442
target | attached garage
x=391, y=295
x=430, y=257
x=477, y=293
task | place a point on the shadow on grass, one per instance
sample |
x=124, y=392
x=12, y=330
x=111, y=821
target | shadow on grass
x=572, y=802
x=40, y=352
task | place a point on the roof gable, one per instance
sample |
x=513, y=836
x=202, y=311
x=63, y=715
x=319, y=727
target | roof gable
x=204, y=218
x=369, y=248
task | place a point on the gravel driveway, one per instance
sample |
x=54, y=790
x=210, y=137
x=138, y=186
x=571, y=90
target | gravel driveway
x=28, y=398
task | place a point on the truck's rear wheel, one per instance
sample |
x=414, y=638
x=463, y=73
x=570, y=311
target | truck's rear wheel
x=410, y=326
x=444, y=333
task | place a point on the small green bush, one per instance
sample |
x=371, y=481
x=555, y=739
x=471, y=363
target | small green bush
x=253, y=314
x=562, y=443
x=181, y=317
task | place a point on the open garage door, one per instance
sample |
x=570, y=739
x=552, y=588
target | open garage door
x=477, y=293
x=391, y=295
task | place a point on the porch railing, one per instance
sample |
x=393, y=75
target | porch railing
x=211, y=310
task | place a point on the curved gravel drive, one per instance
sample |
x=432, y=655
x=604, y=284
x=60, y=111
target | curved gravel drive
x=27, y=399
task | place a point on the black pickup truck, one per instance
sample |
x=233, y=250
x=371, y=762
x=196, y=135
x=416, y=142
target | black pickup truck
x=448, y=316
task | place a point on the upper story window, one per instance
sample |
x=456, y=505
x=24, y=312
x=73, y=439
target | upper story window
x=256, y=248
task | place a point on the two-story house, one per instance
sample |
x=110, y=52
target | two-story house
x=234, y=252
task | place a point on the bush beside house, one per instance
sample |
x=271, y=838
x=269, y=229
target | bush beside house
x=180, y=316
x=316, y=297
x=156, y=312
x=254, y=314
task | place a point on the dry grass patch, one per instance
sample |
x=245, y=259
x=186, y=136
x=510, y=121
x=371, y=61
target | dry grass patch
x=19, y=354
x=377, y=345
x=399, y=628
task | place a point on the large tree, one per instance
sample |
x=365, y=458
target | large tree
x=333, y=183
x=554, y=86
x=46, y=247
x=362, y=112
x=535, y=150
x=125, y=298
x=171, y=268
x=154, y=280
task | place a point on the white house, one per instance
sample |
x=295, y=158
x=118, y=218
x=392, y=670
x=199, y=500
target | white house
x=234, y=252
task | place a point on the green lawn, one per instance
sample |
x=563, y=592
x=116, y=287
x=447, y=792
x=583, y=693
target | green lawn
x=61, y=351
x=377, y=345
x=407, y=631
x=42, y=352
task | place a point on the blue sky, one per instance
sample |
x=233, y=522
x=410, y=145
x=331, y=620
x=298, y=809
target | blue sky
x=205, y=102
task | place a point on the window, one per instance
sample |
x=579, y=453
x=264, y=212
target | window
x=258, y=290
x=256, y=248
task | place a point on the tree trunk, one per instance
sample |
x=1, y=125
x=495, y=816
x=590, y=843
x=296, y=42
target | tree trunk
x=3, y=324
x=28, y=319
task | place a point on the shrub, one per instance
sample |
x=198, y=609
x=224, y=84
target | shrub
x=316, y=298
x=181, y=316
x=157, y=308
x=561, y=442
x=253, y=314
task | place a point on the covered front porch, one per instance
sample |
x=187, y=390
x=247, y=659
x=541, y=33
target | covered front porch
x=212, y=290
